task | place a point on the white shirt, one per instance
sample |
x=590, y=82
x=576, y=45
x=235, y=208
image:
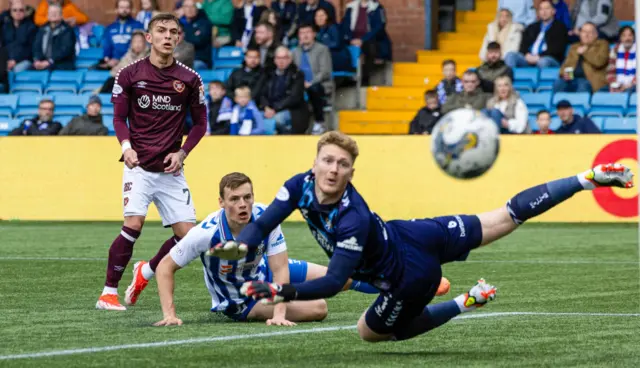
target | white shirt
x=519, y=123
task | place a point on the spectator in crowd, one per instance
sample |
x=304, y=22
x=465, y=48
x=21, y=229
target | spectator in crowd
x=149, y=9
x=621, y=73
x=220, y=13
x=4, y=74
x=54, y=47
x=265, y=41
x=117, y=36
x=41, y=124
x=329, y=35
x=543, y=119
x=246, y=119
x=314, y=59
x=471, y=96
x=507, y=109
x=503, y=31
x=71, y=14
x=283, y=97
x=137, y=50
x=524, y=11
x=428, y=116
x=286, y=11
x=562, y=12
x=573, y=123
x=220, y=109
x=270, y=16
x=184, y=51
x=89, y=123
x=250, y=74
x=363, y=25
x=29, y=12
x=597, y=12
x=450, y=84
x=585, y=69
x=493, y=68
x=245, y=19
x=543, y=42
x=18, y=36
x=307, y=10
x=197, y=31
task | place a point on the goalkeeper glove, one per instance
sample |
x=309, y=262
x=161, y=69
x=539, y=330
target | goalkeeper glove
x=268, y=293
x=230, y=251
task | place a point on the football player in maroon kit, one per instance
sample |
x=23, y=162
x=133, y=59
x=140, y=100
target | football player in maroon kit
x=153, y=94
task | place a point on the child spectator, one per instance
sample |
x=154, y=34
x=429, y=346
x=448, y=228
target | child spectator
x=450, y=84
x=149, y=9
x=246, y=119
x=220, y=109
x=621, y=74
x=544, y=121
x=428, y=116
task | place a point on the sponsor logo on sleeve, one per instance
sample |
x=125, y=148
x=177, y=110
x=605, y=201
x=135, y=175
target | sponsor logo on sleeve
x=350, y=244
x=201, y=95
x=283, y=194
x=278, y=241
x=117, y=89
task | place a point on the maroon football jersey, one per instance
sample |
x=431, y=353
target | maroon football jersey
x=155, y=103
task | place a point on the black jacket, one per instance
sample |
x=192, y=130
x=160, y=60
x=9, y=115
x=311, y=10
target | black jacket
x=63, y=49
x=19, y=41
x=490, y=72
x=293, y=99
x=198, y=33
x=252, y=78
x=238, y=21
x=269, y=61
x=556, y=38
x=36, y=127
x=424, y=121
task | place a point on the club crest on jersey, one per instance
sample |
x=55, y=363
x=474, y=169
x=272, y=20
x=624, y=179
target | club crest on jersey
x=178, y=86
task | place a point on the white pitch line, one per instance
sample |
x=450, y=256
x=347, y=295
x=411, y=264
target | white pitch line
x=201, y=340
x=568, y=262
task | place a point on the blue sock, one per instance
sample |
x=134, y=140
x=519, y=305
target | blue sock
x=433, y=316
x=538, y=200
x=363, y=287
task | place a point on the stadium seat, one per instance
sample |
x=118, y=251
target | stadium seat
x=548, y=76
x=633, y=105
x=95, y=40
x=30, y=80
x=620, y=126
x=269, y=126
x=609, y=104
x=7, y=125
x=212, y=75
x=96, y=76
x=537, y=101
x=579, y=101
x=107, y=120
x=599, y=121
x=357, y=75
x=8, y=104
x=525, y=79
x=70, y=104
x=65, y=80
x=106, y=99
x=555, y=123
x=28, y=104
x=227, y=57
x=63, y=119
x=90, y=88
x=88, y=57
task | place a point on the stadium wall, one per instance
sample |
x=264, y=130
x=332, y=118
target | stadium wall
x=70, y=178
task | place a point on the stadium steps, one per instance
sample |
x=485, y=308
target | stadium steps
x=390, y=109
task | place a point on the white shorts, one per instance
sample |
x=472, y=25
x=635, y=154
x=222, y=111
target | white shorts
x=169, y=192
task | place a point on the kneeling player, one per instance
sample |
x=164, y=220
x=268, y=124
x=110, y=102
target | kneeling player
x=269, y=262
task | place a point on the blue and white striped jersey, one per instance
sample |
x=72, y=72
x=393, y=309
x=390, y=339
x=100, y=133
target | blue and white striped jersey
x=225, y=278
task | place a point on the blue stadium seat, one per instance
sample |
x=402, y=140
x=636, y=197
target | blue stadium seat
x=555, y=123
x=96, y=76
x=599, y=121
x=8, y=104
x=548, y=76
x=609, y=104
x=28, y=104
x=7, y=125
x=90, y=88
x=627, y=23
x=64, y=119
x=579, y=101
x=227, y=57
x=65, y=80
x=269, y=126
x=95, y=40
x=633, y=105
x=537, y=101
x=106, y=99
x=357, y=75
x=211, y=75
x=525, y=79
x=107, y=110
x=620, y=126
x=70, y=104
x=88, y=57
x=107, y=120
x=30, y=80
x=229, y=52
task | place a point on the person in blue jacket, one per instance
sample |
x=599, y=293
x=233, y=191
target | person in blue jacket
x=246, y=119
x=330, y=36
x=363, y=25
x=197, y=31
x=562, y=12
x=117, y=35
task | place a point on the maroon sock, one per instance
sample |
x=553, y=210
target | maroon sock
x=120, y=255
x=163, y=251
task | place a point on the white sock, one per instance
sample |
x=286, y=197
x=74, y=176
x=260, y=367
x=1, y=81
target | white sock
x=109, y=290
x=147, y=273
x=460, y=301
x=586, y=184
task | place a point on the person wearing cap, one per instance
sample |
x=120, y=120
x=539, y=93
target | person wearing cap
x=573, y=123
x=89, y=123
x=493, y=68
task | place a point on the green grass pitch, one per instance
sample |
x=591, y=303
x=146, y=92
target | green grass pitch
x=584, y=277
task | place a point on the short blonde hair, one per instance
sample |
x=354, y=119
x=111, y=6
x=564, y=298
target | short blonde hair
x=243, y=90
x=507, y=80
x=341, y=140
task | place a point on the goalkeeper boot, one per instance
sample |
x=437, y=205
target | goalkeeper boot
x=480, y=294
x=110, y=302
x=609, y=175
x=137, y=284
